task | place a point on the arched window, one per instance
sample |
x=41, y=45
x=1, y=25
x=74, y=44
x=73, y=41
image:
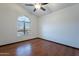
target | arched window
x=23, y=25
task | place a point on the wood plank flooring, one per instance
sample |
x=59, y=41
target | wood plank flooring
x=37, y=47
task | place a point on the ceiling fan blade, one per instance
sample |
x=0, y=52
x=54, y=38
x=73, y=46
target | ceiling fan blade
x=29, y=4
x=44, y=3
x=34, y=10
x=43, y=9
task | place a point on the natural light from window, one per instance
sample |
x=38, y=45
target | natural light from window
x=23, y=25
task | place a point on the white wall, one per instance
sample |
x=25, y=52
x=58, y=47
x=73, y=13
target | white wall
x=61, y=26
x=8, y=21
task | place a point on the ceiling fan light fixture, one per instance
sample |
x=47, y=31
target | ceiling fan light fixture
x=37, y=5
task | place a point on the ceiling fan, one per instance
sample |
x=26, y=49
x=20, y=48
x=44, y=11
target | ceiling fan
x=37, y=6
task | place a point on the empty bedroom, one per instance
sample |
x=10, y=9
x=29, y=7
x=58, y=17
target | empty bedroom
x=39, y=29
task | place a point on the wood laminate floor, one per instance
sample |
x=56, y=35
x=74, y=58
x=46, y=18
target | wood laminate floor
x=37, y=47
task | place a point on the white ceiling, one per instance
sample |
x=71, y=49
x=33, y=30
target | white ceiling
x=50, y=7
